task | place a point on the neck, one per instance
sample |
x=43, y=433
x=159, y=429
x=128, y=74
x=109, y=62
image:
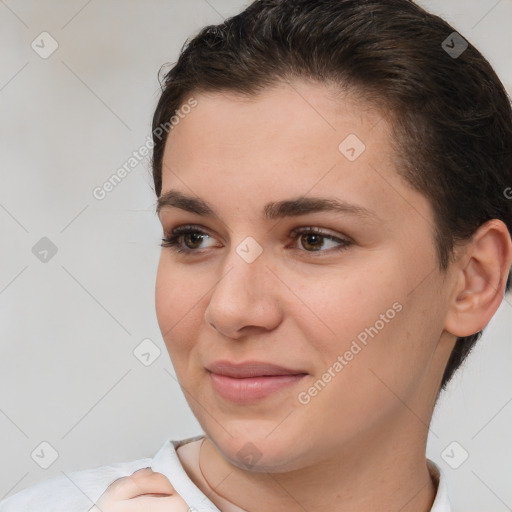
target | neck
x=380, y=472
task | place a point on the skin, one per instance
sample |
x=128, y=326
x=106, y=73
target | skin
x=362, y=439
x=142, y=491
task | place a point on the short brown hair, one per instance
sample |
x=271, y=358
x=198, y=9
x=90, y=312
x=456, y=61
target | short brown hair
x=451, y=116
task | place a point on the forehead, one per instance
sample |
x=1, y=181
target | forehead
x=297, y=110
x=289, y=140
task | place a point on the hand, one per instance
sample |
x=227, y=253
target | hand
x=143, y=491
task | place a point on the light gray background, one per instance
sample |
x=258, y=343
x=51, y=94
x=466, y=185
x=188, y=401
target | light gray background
x=69, y=326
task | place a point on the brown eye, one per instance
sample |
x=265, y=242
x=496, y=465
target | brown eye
x=185, y=239
x=314, y=240
x=193, y=239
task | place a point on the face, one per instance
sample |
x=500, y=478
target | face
x=348, y=300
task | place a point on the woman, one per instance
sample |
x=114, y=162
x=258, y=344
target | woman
x=332, y=186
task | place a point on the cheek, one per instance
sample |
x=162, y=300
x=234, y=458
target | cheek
x=177, y=304
x=356, y=303
x=390, y=350
x=166, y=292
x=374, y=357
x=370, y=319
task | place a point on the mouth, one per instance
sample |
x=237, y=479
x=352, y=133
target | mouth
x=251, y=381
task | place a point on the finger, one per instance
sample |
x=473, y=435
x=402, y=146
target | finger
x=142, y=471
x=151, y=504
x=115, y=483
x=140, y=482
x=145, y=504
x=153, y=482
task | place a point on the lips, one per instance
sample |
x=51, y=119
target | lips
x=251, y=381
x=250, y=369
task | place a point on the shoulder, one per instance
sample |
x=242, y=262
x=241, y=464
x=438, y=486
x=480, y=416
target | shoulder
x=70, y=492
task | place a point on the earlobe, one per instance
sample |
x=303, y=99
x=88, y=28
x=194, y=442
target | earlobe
x=481, y=278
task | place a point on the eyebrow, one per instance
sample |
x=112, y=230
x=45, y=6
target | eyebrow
x=273, y=210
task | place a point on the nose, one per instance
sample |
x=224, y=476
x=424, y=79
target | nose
x=245, y=298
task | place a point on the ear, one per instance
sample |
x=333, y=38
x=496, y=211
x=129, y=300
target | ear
x=480, y=279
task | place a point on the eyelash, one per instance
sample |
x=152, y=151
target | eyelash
x=172, y=241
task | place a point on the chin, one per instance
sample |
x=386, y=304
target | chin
x=258, y=452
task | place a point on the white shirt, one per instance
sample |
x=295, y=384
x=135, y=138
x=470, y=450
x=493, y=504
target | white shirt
x=79, y=490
